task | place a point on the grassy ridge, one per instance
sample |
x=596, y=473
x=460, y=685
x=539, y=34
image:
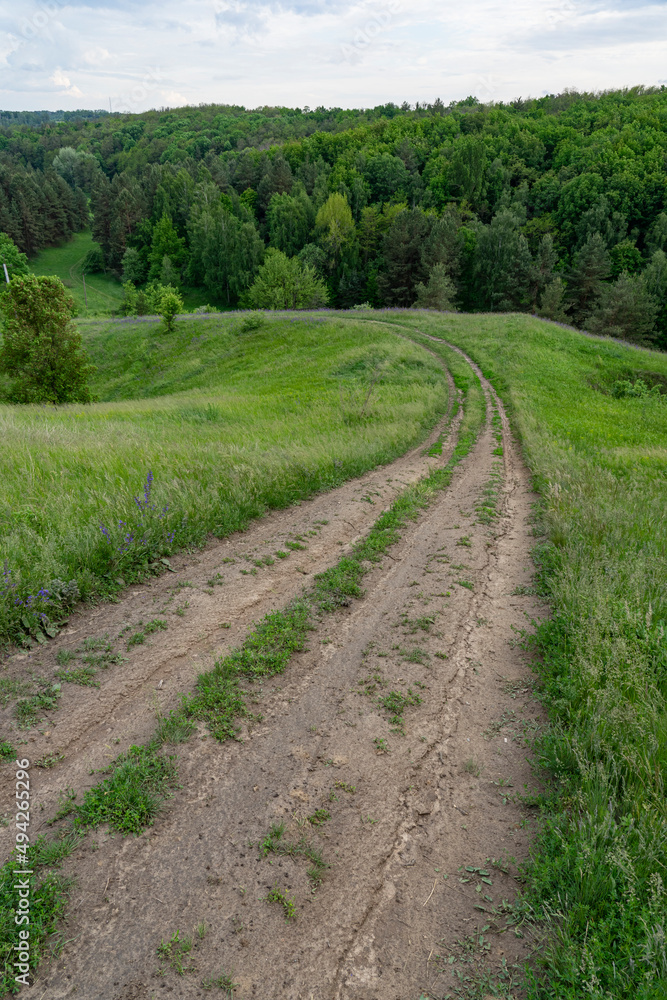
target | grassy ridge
x=229, y=424
x=598, y=877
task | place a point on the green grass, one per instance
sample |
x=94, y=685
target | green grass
x=49, y=891
x=597, y=881
x=230, y=425
x=105, y=293
x=133, y=794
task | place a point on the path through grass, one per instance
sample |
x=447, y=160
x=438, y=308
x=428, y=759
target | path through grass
x=597, y=882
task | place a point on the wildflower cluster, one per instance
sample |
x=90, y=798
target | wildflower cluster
x=35, y=616
x=144, y=539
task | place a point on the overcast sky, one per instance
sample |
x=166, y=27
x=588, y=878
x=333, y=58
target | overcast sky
x=148, y=53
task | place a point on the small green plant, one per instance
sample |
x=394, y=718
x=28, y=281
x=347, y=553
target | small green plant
x=252, y=321
x=467, y=584
x=7, y=751
x=465, y=541
x=472, y=767
x=319, y=817
x=174, y=728
x=169, y=306
x=381, y=745
x=65, y=656
x=28, y=710
x=216, y=581
x=157, y=625
x=175, y=953
x=84, y=676
x=49, y=760
x=395, y=703
x=223, y=982
x=277, y=896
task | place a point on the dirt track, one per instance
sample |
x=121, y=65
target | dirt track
x=385, y=919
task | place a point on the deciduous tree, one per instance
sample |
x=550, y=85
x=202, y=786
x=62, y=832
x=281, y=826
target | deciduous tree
x=41, y=349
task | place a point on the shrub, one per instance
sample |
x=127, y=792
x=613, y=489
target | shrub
x=41, y=349
x=170, y=304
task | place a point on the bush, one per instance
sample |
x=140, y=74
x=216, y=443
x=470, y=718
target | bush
x=286, y=283
x=170, y=304
x=41, y=349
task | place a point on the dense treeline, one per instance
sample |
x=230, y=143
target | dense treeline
x=556, y=205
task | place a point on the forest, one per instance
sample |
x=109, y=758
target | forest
x=555, y=206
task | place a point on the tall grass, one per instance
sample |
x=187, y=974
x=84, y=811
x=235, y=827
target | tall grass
x=229, y=424
x=597, y=880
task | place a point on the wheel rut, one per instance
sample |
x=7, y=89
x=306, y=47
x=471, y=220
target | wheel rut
x=414, y=790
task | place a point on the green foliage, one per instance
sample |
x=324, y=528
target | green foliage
x=552, y=302
x=49, y=893
x=626, y=310
x=133, y=794
x=170, y=304
x=284, y=283
x=93, y=262
x=41, y=349
x=210, y=187
x=438, y=293
x=591, y=267
x=165, y=242
x=17, y=262
x=134, y=267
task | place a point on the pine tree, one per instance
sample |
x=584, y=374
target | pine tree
x=626, y=309
x=591, y=267
x=438, y=293
x=552, y=302
x=165, y=243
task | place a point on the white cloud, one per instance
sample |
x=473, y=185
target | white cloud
x=58, y=79
x=348, y=53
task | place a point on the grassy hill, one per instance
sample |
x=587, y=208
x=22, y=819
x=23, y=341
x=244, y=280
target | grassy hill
x=228, y=422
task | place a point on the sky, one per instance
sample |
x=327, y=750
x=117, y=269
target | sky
x=132, y=55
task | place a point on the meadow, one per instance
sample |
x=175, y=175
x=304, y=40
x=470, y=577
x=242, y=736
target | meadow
x=103, y=292
x=596, y=886
x=195, y=433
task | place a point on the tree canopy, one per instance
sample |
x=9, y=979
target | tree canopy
x=508, y=197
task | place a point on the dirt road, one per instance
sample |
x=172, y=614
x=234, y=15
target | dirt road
x=409, y=799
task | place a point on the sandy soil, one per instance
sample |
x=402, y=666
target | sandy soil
x=407, y=812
